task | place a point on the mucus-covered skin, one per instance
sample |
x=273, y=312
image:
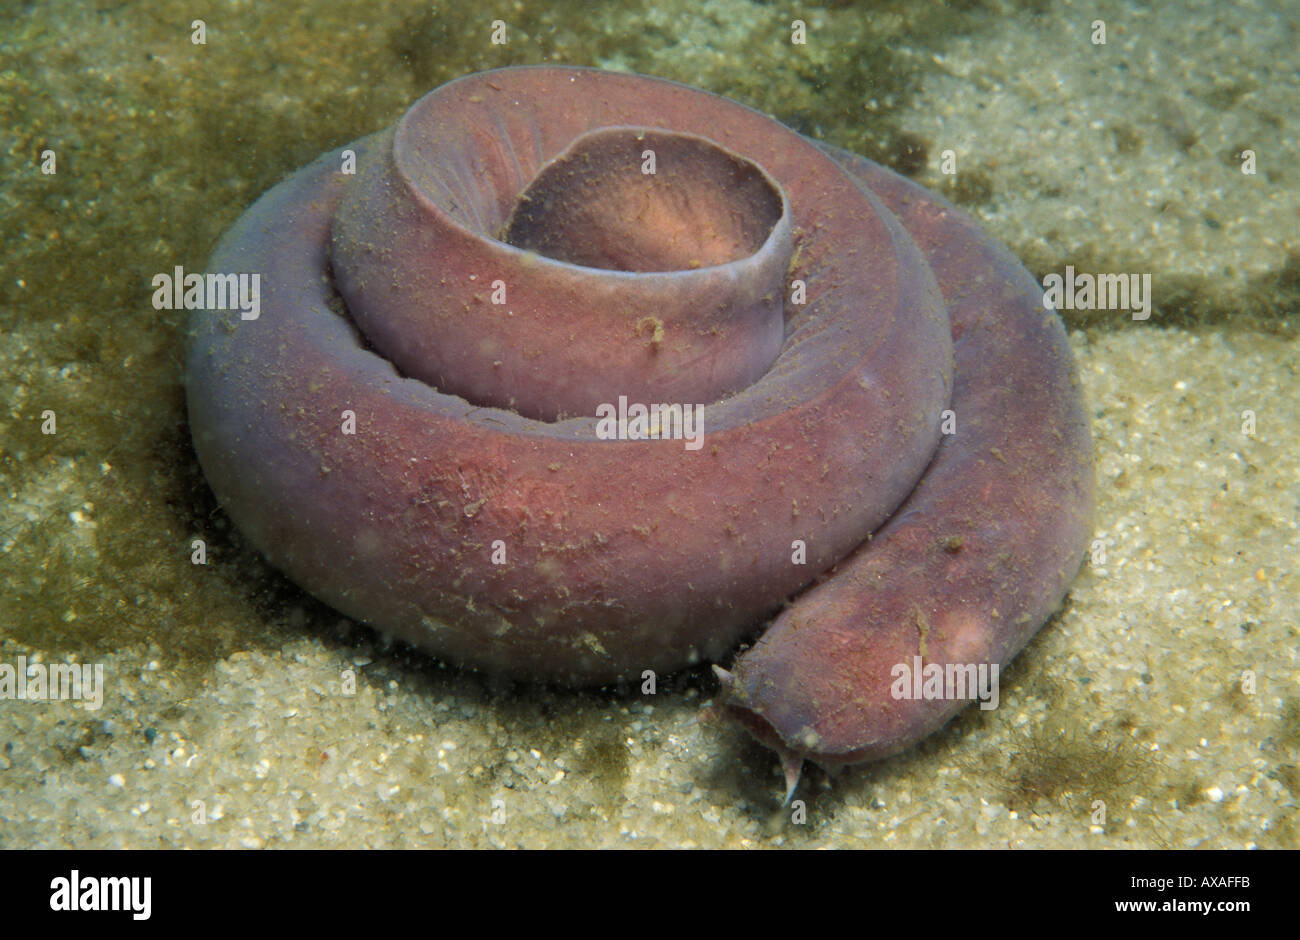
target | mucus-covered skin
x=530, y=547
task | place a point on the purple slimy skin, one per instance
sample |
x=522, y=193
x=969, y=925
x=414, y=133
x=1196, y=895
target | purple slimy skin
x=622, y=556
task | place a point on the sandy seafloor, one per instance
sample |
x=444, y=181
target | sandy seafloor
x=223, y=722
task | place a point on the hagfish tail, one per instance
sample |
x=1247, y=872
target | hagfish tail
x=841, y=381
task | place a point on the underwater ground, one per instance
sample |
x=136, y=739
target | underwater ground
x=1167, y=687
